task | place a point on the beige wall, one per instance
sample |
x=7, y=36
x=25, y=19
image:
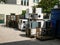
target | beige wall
x=7, y=9
x=18, y=2
x=24, y=7
x=31, y=3
x=17, y=8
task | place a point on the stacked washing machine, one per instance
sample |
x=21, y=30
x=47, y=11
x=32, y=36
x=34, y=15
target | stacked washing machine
x=38, y=26
x=22, y=24
x=34, y=20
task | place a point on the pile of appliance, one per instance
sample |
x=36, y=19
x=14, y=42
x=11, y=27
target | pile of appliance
x=37, y=26
x=33, y=21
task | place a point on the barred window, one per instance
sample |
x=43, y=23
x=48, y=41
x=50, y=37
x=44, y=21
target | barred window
x=25, y=2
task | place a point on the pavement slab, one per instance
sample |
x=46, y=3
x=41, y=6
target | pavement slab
x=11, y=36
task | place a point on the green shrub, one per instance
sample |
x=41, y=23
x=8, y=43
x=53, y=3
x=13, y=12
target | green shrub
x=23, y=12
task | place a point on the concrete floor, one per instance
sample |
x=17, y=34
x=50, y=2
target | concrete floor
x=10, y=36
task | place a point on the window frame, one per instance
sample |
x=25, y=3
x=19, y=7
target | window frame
x=25, y=2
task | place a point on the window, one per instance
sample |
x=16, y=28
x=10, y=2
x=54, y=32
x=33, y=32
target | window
x=35, y=1
x=25, y=2
x=21, y=2
x=1, y=18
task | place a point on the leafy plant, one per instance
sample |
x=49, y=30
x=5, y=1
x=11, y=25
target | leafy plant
x=47, y=5
x=23, y=12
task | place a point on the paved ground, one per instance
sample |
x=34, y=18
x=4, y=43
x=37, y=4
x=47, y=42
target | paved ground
x=10, y=36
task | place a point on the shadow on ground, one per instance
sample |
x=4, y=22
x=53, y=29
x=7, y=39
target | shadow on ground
x=33, y=42
x=23, y=35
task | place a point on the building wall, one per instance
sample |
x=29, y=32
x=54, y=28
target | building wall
x=31, y=3
x=14, y=6
x=24, y=7
x=7, y=9
x=18, y=2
